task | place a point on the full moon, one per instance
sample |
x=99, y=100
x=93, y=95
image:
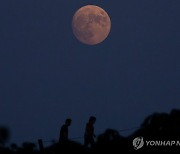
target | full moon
x=91, y=24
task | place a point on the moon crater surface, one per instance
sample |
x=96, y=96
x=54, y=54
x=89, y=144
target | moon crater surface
x=91, y=24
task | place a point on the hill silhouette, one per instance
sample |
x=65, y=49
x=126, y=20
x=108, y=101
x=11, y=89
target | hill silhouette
x=159, y=132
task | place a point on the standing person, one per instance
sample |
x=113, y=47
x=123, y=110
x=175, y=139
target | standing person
x=64, y=130
x=89, y=132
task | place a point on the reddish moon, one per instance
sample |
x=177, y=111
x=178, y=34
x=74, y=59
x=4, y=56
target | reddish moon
x=91, y=24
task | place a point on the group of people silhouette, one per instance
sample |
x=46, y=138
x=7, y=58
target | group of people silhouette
x=88, y=135
x=157, y=126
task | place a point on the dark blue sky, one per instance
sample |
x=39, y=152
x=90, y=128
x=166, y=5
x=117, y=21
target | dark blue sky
x=47, y=75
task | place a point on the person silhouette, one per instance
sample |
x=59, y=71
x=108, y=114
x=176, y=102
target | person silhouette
x=89, y=132
x=64, y=130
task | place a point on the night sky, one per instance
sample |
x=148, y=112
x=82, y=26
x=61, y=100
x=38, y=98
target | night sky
x=47, y=75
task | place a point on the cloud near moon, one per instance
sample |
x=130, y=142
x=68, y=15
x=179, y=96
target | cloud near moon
x=91, y=25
